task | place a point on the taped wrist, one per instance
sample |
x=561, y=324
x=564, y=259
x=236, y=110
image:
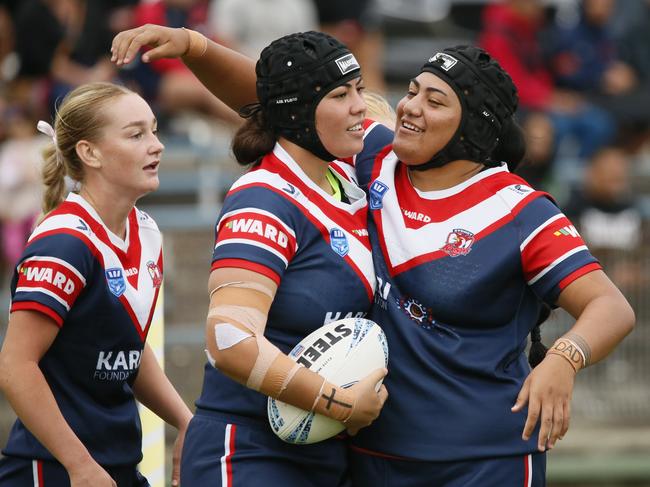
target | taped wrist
x=198, y=44
x=570, y=351
x=334, y=402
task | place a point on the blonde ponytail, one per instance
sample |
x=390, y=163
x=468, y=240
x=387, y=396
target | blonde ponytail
x=54, y=180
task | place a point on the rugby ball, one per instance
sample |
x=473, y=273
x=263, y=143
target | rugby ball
x=343, y=352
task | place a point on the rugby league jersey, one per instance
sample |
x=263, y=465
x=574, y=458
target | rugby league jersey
x=101, y=292
x=277, y=222
x=461, y=273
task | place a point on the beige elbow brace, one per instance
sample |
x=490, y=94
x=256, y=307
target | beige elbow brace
x=272, y=370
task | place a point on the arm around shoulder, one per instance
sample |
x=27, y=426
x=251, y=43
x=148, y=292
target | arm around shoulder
x=229, y=75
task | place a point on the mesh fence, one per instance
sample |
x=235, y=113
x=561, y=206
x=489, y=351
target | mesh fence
x=618, y=388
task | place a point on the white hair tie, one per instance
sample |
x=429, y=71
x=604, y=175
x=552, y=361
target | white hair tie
x=45, y=128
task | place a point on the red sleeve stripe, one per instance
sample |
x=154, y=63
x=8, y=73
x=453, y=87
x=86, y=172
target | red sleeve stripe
x=34, y=306
x=539, y=229
x=51, y=278
x=254, y=243
x=246, y=264
x=252, y=212
x=61, y=262
x=557, y=261
x=45, y=291
x=594, y=266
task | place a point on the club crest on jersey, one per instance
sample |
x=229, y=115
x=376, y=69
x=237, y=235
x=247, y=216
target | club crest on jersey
x=154, y=272
x=377, y=192
x=459, y=242
x=115, y=281
x=339, y=242
x=416, y=311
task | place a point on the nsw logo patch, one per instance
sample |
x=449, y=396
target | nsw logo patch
x=339, y=242
x=377, y=192
x=115, y=281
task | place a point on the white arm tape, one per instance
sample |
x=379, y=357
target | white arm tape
x=252, y=318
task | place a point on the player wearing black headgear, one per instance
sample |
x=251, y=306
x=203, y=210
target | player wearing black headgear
x=294, y=73
x=488, y=98
x=466, y=254
x=296, y=217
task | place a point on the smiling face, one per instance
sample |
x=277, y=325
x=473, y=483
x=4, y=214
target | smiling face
x=339, y=116
x=427, y=118
x=129, y=149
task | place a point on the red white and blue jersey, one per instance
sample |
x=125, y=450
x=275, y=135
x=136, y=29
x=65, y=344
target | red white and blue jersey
x=462, y=273
x=101, y=292
x=275, y=221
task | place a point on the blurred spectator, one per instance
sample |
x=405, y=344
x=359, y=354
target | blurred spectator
x=62, y=44
x=6, y=35
x=604, y=208
x=581, y=53
x=584, y=57
x=20, y=184
x=358, y=25
x=248, y=27
x=609, y=219
x=168, y=82
x=540, y=150
x=511, y=34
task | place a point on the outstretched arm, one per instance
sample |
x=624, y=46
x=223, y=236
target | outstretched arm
x=229, y=75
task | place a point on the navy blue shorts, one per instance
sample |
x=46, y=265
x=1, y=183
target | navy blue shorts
x=23, y=472
x=231, y=451
x=518, y=471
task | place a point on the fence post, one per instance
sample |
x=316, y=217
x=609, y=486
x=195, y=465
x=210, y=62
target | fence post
x=153, y=428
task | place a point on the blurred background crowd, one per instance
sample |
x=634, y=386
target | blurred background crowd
x=582, y=68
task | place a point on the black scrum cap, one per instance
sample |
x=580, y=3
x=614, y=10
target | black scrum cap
x=488, y=98
x=293, y=74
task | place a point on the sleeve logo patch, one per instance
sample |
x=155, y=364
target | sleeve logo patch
x=567, y=231
x=50, y=276
x=258, y=227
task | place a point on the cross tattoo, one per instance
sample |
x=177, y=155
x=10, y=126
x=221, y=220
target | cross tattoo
x=330, y=399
